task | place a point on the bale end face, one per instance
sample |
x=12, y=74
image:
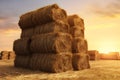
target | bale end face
x=80, y=61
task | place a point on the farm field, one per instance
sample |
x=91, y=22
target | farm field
x=100, y=70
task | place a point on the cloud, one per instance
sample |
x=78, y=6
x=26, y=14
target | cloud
x=111, y=10
x=8, y=23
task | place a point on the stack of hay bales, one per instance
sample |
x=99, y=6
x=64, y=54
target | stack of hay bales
x=45, y=42
x=7, y=55
x=94, y=55
x=80, y=59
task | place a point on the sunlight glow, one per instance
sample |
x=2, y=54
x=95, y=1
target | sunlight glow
x=107, y=47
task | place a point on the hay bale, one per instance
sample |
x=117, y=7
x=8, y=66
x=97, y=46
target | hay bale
x=4, y=55
x=80, y=61
x=51, y=43
x=94, y=55
x=56, y=26
x=22, y=61
x=22, y=46
x=12, y=55
x=42, y=16
x=75, y=20
x=79, y=45
x=27, y=33
x=53, y=63
x=110, y=56
x=77, y=32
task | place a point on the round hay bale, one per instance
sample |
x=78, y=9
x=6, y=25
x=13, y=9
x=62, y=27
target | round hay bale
x=51, y=43
x=53, y=63
x=22, y=46
x=80, y=61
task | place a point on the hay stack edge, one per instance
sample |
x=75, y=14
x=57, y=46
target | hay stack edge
x=51, y=41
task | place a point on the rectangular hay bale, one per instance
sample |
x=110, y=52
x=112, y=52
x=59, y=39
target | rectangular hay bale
x=80, y=61
x=22, y=61
x=77, y=31
x=42, y=16
x=4, y=55
x=75, y=20
x=94, y=55
x=53, y=63
x=56, y=26
x=51, y=43
x=79, y=45
x=27, y=33
x=22, y=46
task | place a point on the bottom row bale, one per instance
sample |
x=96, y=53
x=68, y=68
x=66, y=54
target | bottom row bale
x=51, y=62
x=80, y=61
x=22, y=61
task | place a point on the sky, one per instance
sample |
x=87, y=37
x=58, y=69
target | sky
x=101, y=17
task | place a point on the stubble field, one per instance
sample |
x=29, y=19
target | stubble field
x=100, y=70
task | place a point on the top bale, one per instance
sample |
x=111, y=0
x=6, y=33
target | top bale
x=75, y=20
x=42, y=16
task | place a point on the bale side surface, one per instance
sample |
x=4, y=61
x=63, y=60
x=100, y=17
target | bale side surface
x=42, y=16
x=22, y=61
x=53, y=63
x=75, y=20
x=51, y=43
x=79, y=45
x=22, y=46
x=80, y=61
x=56, y=26
x=27, y=33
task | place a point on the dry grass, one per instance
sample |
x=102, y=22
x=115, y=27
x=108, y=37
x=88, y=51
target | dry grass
x=100, y=70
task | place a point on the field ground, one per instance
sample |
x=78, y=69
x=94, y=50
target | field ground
x=100, y=70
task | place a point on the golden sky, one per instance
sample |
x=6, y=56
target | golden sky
x=102, y=20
